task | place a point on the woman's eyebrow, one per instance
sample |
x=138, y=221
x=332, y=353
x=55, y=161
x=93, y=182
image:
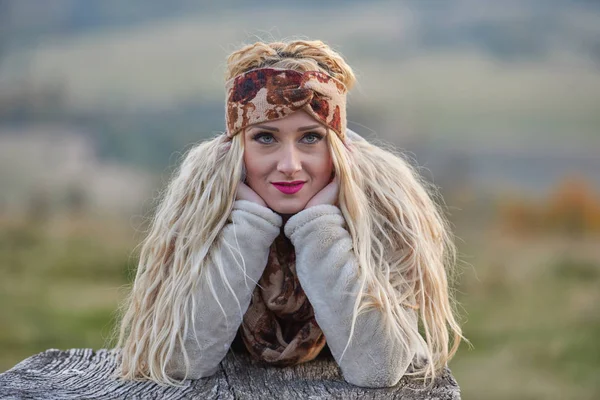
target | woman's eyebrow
x=273, y=129
x=307, y=128
x=266, y=128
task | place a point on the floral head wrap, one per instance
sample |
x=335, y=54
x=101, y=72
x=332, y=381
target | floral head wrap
x=267, y=94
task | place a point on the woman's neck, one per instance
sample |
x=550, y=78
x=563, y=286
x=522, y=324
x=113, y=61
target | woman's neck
x=285, y=217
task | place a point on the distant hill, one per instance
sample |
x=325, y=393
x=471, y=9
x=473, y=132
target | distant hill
x=510, y=28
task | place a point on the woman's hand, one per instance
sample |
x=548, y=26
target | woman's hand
x=328, y=195
x=244, y=192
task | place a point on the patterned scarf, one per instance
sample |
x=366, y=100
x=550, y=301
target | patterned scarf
x=279, y=326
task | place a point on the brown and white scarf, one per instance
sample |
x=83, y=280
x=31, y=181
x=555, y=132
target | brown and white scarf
x=279, y=326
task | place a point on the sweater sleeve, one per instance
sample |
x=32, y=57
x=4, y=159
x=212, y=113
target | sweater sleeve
x=326, y=268
x=254, y=228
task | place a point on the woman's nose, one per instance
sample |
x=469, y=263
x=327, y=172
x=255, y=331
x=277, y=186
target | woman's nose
x=289, y=161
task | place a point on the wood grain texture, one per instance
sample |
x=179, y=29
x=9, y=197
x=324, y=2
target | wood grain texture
x=85, y=374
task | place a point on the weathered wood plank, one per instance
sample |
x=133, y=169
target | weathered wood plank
x=85, y=373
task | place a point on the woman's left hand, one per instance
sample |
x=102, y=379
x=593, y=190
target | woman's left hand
x=328, y=195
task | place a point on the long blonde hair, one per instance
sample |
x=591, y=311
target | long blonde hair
x=402, y=241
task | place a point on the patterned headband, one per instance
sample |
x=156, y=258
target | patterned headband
x=267, y=94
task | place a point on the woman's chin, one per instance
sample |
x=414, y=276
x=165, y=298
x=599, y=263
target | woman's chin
x=287, y=207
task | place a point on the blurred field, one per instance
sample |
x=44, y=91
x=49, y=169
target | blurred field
x=60, y=284
x=533, y=316
x=531, y=303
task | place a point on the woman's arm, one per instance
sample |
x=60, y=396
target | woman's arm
x=254, y=228
x=326, y=268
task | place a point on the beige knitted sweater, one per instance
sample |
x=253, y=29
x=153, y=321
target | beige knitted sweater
x=325, y=265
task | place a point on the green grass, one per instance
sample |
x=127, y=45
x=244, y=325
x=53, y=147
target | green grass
x=533, y=318
x=60, y=289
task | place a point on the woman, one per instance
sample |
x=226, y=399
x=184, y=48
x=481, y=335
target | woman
x=293, y=233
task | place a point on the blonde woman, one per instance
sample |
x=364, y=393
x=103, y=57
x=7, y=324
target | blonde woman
x=292, y=233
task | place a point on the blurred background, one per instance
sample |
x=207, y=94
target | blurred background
x=498, y=103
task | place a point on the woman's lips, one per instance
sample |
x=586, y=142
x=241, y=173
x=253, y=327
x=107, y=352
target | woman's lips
x=289, y=189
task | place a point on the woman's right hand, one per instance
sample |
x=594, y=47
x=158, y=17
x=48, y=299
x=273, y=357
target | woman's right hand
x=244, y=192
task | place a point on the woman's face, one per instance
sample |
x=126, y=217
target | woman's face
x=291, y=149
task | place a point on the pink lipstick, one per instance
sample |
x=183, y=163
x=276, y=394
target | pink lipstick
x=289, y=187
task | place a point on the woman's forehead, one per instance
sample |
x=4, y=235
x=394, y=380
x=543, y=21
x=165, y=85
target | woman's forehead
x=298, y=121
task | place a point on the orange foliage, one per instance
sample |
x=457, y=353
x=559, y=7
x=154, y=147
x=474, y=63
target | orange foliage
x=572, y=208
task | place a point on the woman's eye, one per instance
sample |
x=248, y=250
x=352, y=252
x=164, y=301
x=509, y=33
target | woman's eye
x=260, y=136
x=313, y=137
x=267, y=138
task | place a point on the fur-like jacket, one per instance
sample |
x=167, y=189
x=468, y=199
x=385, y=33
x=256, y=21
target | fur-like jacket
x=325, y=267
